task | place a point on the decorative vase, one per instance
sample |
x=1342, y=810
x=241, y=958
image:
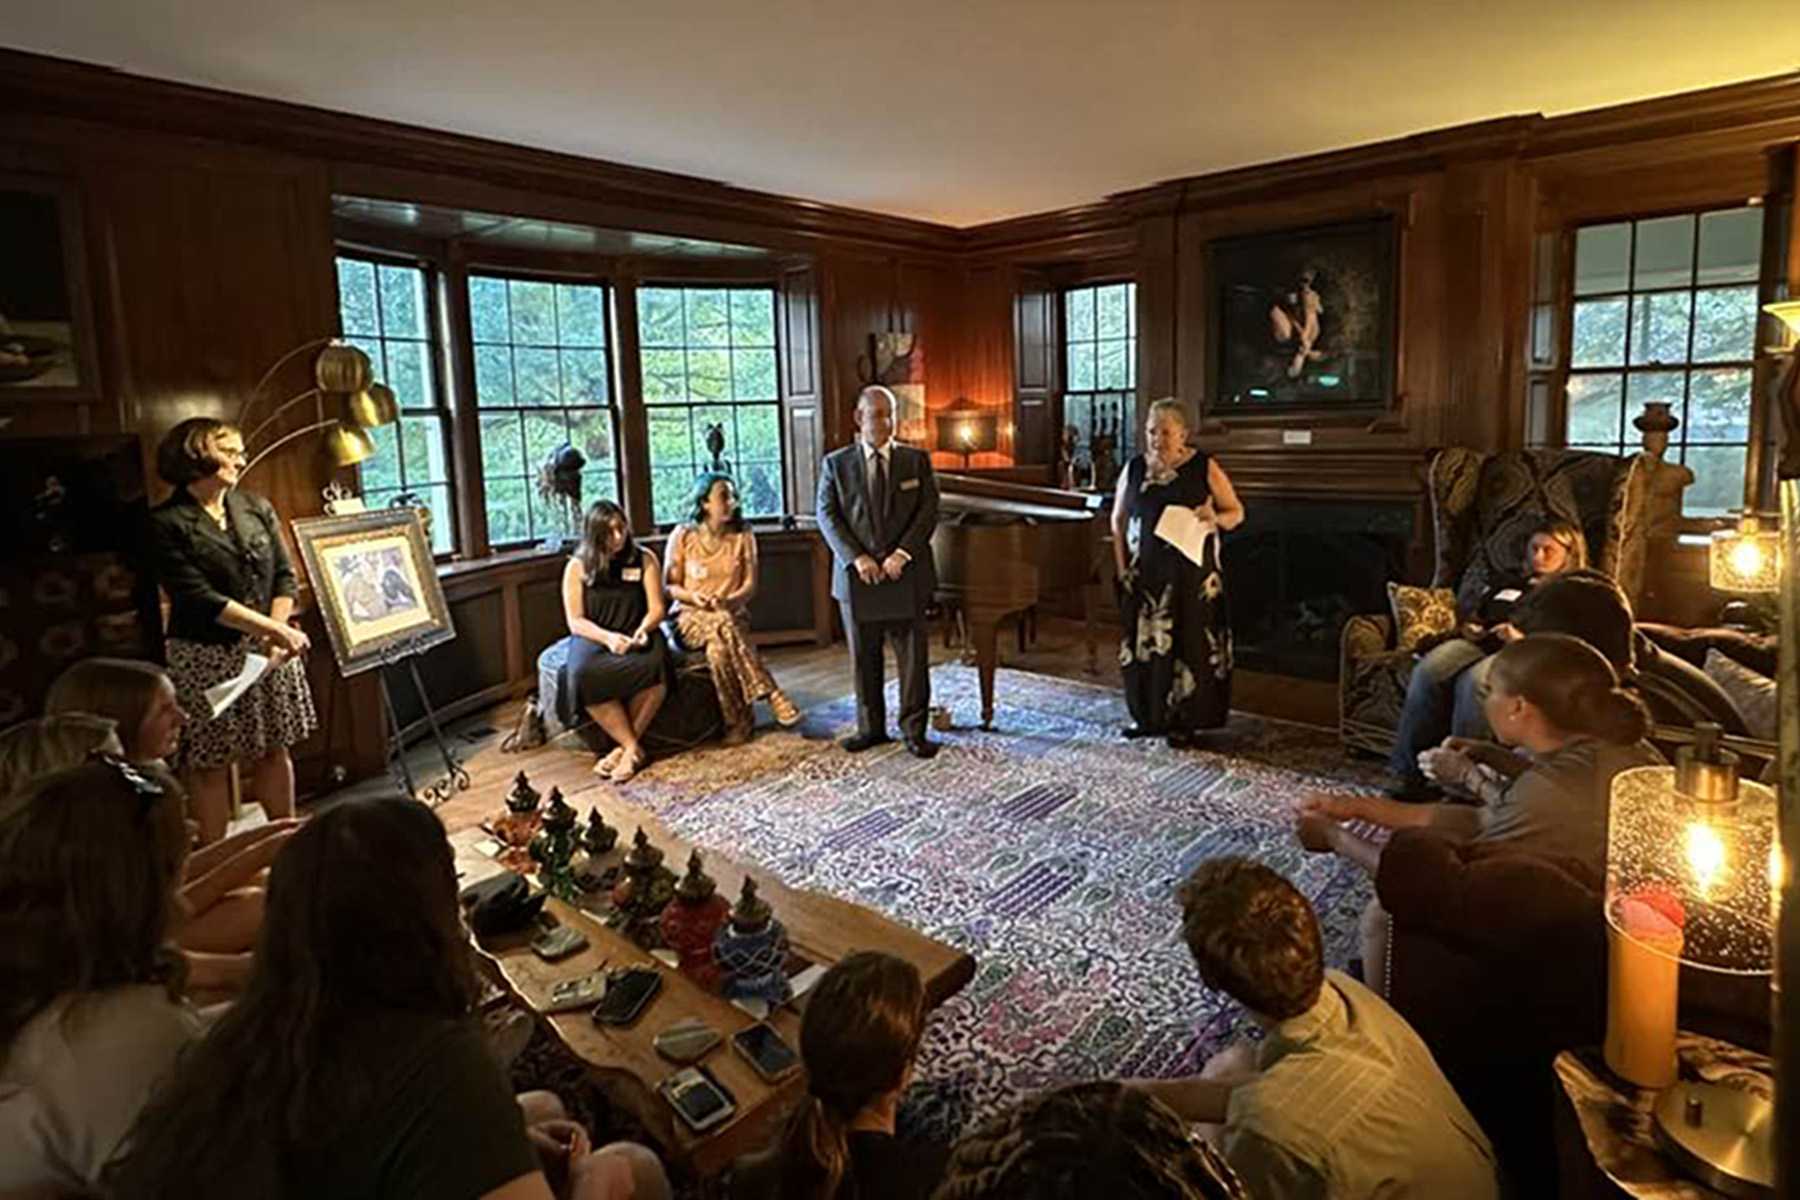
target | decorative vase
x=692, y=920
x=645, y=891
x=752, y=949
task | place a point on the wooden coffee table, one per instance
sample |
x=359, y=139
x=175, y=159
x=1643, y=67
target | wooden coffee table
x=622, y=1061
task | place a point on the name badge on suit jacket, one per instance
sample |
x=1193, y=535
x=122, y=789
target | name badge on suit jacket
x=907, y=485
x=632, y=575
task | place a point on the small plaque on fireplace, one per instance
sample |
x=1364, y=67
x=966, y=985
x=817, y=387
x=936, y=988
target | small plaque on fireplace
x=1296, y=437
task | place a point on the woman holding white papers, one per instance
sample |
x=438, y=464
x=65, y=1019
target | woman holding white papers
x=219, y=555
x=1175, y=637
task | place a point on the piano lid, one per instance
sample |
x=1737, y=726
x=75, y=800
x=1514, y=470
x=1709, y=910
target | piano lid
x=988, y=498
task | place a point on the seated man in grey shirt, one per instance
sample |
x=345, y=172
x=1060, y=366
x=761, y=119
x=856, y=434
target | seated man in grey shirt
x=1551, y=696
x=1341, y=1099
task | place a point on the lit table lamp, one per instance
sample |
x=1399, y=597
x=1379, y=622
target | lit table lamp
x=1691, y=875
x=965, y=428
x=1746, y=559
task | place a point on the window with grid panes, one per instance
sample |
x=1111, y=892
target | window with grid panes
x=386, y=311
x=543, y=378
x=1100, y=364
x=1665, y=309
x=709, y=359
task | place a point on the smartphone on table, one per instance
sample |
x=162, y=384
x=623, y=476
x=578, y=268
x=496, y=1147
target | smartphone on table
x=700, y=1100
x=628, y=993
x=765, y=1050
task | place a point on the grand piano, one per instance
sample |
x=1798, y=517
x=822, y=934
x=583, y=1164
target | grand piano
x=1002, y=548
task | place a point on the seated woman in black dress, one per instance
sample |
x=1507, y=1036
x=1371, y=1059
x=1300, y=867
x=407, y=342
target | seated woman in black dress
x=619, y=663
x=858, y=1040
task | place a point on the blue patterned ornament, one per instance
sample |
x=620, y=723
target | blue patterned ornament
x=752, y=950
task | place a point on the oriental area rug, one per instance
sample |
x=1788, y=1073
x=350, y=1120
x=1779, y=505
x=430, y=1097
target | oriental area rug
x=1049, y=848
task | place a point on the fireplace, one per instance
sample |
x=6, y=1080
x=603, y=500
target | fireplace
x=1297, y=569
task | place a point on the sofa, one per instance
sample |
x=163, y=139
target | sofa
x=1483, y=508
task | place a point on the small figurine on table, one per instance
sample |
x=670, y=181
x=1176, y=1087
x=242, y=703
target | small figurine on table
x=599, y=867
x=693, y=919
x=554, y=849
x=518, y=825
x=645, y=891
x=752, y=949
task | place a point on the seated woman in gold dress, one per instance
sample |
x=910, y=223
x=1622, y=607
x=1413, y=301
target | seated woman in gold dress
x=711, y=576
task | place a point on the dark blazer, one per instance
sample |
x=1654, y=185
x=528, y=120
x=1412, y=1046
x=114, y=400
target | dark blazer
x=911, y=515
x=201, y=566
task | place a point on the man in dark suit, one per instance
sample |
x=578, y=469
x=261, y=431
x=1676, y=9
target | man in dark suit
x=877, y=506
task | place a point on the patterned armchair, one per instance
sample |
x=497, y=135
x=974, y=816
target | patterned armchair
x=1483, y=507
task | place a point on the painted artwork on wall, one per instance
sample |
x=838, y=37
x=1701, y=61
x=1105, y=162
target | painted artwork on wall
x=1303, y=320
x=46, y=335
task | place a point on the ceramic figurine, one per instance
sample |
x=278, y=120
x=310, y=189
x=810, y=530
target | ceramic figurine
x=600, y=837
x=752, y=949
x=693, y=919
x=523, y=798
x=518, y=825
x=645, y=891
x=554, y=849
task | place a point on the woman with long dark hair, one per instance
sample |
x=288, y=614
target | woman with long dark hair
x=858, y=1040
x=91, y=1008
x=353, y=1065
x=219, y=554
x=619, y=664
x=712, y=574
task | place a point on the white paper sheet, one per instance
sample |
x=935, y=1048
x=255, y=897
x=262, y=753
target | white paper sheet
x=221, y=696
x=1184, y=529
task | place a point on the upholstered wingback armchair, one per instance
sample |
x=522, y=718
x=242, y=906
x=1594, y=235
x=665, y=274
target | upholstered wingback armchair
x=1483, y=508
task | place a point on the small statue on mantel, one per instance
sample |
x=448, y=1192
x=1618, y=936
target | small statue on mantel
x=1065, y=458
x=715, y=448
x=693, y=919
x=1103, y=448
x=1666, y=480
x=554, y=848
x=752, y=949
x=645, y=891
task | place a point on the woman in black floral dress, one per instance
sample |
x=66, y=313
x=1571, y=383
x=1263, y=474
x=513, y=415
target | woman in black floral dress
x=1175, y=636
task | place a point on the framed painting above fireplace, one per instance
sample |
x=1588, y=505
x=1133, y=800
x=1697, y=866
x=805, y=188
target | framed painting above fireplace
x=1302, y=321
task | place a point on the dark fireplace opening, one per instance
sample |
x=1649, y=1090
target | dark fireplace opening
x=1297, y=570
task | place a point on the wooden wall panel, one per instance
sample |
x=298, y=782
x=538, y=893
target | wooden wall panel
x=1035, y=347
x=800, y=390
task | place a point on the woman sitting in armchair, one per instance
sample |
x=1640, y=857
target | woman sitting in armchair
x=1483, y=603
x=711, y=576
x=618, y=662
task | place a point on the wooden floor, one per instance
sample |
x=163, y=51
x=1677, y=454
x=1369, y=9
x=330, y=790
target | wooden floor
x=814, y=675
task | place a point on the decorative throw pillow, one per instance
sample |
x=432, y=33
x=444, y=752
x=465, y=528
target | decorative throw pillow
x=1420, y=613
x=1751, y=694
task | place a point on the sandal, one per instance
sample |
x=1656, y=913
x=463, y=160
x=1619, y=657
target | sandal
x=628, y=766
x=604, y=767
x=786, y=712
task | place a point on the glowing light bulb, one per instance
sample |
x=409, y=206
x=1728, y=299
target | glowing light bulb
x=1706, y=855
x=967, y=433
x=1747, y=558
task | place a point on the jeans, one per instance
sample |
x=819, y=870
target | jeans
x=1437, y=699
